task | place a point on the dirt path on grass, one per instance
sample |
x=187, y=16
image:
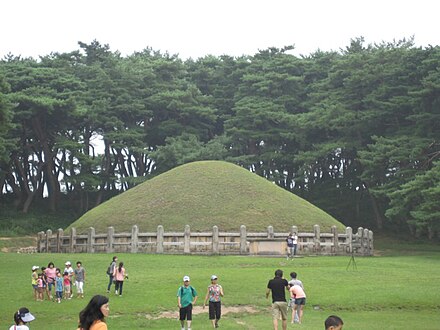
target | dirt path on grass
x=199, y=310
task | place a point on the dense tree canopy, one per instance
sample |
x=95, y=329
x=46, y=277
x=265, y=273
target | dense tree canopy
x=356, y=132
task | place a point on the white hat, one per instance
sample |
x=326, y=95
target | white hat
x=25, y=315
x=185, y=278
x=67, y=263
x=35, y=267
x=213, y=277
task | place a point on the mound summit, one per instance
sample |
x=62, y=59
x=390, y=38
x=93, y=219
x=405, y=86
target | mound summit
x=203, y=194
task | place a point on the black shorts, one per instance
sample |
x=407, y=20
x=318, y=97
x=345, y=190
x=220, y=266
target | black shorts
x=215, y=310
x=300, y=301
x=186, y=312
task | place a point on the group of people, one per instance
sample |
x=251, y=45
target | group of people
x=47, y=280
x=93, y=316
x=297, y=300
x=292, y=243
x=187, y=297
x=117, y=274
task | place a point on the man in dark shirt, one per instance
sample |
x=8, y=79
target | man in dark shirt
x=278, y=286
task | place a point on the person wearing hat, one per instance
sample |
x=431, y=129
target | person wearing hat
x=35, y=281
x=21, y=318
x=214, y=294
x=69, y=270
x=186, y=298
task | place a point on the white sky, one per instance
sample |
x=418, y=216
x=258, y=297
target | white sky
x=194, y=28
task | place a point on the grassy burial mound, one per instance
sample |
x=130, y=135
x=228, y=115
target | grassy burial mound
x=204, y=194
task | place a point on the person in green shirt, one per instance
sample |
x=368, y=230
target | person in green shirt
x=186, y=298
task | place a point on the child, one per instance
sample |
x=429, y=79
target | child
x=35, y=281
x=333, y=322
x=21, y=318
x=45, y=283
x=40, y=287
x=69, y=271
x=66, y=281
x=59, y=286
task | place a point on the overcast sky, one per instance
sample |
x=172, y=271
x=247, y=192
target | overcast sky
x=195, y=28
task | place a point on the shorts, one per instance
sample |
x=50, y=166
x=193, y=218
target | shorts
x=35, y=286
x=300, y=301
x=215, y=310
x=186, y=312
x=40, y=289
x=79, y=286
x=279, y=308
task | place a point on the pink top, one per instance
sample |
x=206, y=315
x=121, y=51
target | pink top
x=119, y=275
x=51, y=273
x=297, y=292
x=40, y=282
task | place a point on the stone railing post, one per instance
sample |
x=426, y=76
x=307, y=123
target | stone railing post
x=215, y=240
x=317, y=238
x=349, y=240
x=159, y=239
x=40, y=242
x=91, y=240
x=134, y=239
x=243, y=239
x=370, y=240
x=187, y=240
x=366, y=240
x=72, y=240
x=48, y=239
x=59, y=240
x=110, y=239
x=270, y=232
x=335, y=247
x=360, y=237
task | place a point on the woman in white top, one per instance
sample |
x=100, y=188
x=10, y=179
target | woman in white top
x=21, y=318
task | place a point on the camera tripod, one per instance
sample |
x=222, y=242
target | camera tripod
x=352, y=262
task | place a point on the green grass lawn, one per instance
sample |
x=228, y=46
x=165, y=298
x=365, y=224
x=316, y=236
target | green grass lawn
x=387, y=292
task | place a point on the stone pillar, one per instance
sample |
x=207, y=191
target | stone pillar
x=134, y=239
x=317, y=238
x=349, y=240
x=48, y=239
x=91, y=240
x=360, y=234
x=40, y=242
x=366, y=239
x=72, y=242
x=159, y=239
x=243, y=240
x=370, y=239
x=187, y=240
x=335, y=247
x=110, y=239
x=215, y=240
x=59, y=240
x=270, y=232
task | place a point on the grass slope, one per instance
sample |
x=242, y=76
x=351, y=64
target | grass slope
x=203, y=194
